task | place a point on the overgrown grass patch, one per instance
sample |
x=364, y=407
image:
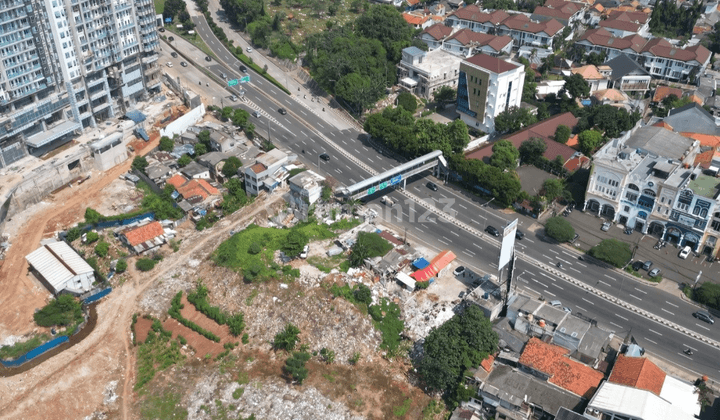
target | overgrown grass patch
x=345, y=224
x=20, y=348
x=156, y=353
x=260, y=266
x=165, y=406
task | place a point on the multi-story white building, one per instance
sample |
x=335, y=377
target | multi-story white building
x=267, y=173
x=422, y=73
x=67, y=64
x=488, y=86
x=646, y=182
x=660, y=58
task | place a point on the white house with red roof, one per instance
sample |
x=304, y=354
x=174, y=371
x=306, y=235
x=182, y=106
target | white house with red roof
x=424, y=72
x=488, y=86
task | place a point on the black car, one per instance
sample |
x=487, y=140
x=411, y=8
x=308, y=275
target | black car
x=491, y=230
x=207, y=58
x=174, y=54
x=243, y=69
x=325, y=157
x=637, y=265
x=282, y=111
x=184, y=64
x=704, y=316
x=161, y=29
x=432, y=186
x=519, y=234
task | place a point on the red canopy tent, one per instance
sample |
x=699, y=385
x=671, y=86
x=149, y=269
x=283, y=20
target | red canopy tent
x=438, y=263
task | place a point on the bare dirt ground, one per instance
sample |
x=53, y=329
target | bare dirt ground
x=85, y=369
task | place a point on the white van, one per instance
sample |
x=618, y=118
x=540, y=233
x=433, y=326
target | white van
x=685, y=252
x=387, y=201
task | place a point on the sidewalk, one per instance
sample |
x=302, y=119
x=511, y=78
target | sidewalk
x=301, y=92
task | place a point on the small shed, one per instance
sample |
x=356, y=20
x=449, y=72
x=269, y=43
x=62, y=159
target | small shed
x=144, y=238
x=406, y=280
x=61, y=268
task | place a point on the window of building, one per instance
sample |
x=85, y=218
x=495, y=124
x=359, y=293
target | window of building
x=627, y=209
x=715, y=225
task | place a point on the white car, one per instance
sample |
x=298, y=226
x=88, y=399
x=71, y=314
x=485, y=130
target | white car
x=304, y=252
x=605, y=226
x=685, y=252
x=169, y=64
x=248, y=49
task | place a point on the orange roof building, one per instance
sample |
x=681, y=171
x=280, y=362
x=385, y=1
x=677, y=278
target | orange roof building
x=553, y=361
x=638, y=372
x=663, y=92
x=144, y=238
x=194, y=189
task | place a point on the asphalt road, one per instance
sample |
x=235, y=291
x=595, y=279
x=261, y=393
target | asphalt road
x=304, y=131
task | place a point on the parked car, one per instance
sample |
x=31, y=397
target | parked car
x=248, y=49
x=606, y=226
x=207, y=58
x=223, y=75
x=169, y=64
x=628, y=230
x=704, y=316
x=555, y=303
x=566, y=309
x=491, y=230
x=184, y=64
x=461, y=295
x=685, y=252
x=654, y=272
x=519, y=234
x=173, y=54
x=637, y=265
x=646, y=265
x=304, y=252
x=432, y=186
x=282, y=111
x=233, y=98
x=459, y=270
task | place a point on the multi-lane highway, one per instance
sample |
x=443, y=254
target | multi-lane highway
x=308, y=134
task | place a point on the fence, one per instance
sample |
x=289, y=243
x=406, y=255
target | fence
x=97, y=296
x=123, y=222
x=37, y=351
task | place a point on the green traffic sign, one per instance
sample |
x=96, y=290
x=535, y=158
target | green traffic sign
x=232, y=82
x=244, y=79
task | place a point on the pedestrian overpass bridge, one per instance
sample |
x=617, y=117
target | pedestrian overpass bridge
x=394, y=176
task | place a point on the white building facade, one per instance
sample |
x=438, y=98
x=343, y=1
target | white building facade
x=422, y=73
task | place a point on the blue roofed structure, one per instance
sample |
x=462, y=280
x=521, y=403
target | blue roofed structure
x=140, y=132
x=136, y=116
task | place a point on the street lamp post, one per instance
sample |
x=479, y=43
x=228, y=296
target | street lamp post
x=268, y=126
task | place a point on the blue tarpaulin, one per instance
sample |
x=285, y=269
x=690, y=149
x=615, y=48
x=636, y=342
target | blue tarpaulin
x=37, y=351
x=136, y=116
x=142, y=134
x=420, y=263
x=99, y=295
x=168, y=20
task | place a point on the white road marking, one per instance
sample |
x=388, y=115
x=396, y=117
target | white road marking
x=440, y=240
x=619, y=326
x=549, y=293
x=705, y=328
x=683, y=355
x=651, y=341
x=455, y=233
x=550, y=258
x=606, y=284
x=621, y=317
x=566, y=262
x=470, y=252
x=374, y=162
x=610, y=277
x=588, y=301
x=478, y=246
x=579, y=263
x=533, y=290
x=541, y=283
x=559, y=287
x=273, y=91
x=653, y=331
x=691, y=348
x=671, y=304
x=447, y=239
x=338, y=171
x=568, y=254
x=303, y=112
x=634, y=296
x=482, y=217
x=553, y=251
x=466, y=253
x=417, y=228
x=665, y=310
x=462, y=206
x=545, y=275
x=321, y=125
x=641, y=291
x=574, y=269
x=530, y=240
x=344, y=142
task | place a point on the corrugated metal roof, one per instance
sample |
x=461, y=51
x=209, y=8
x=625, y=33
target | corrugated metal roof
x=58, y=263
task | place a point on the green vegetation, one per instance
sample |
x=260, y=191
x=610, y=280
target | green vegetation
x=559, y=229
x=387, y=318
x=433, y=409
x=576, y=86
x=294, y=243
x=162, y=204
x=513, y=119
x=166, y=144
x=232, y=163
x=166, y=406
x=91, y=236
x=73, y=234
x=708, y=294
x=233, y=252
x=140, y=163
x=102, y=249
x=672, y=21
x=444, y=95
x=355, y=358
x=407, y=101
x=367, y=48
x=145, y=264
x=295, y=366
x=184, y=160
x=287, y=338
x=175, y=306
x=590, y=140
x=606, y=118
x=198, y=298
x=398, y=130
x=206, y=221
x=327, y=355
x=562, y=134
x=236, y=198
x=368, y=245
x=157, y=353
x=245, y=338
x=64, y=310
x=345, y=224
x=20, y=348
x=475, y=174
x=531, y=151
x=238, y=392
x=456, y=346
x=612, y=251
x=401, y=410
x=669, y=103
x=505, y=155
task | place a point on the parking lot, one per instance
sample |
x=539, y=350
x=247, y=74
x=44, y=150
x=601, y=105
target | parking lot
x=588, y=227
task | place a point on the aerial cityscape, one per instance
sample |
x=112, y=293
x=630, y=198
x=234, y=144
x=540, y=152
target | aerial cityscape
x=354, y=209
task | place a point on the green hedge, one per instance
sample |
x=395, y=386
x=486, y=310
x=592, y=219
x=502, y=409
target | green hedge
x=198, y=298
x=175, y=306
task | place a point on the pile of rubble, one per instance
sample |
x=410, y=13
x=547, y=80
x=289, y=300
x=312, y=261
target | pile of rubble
x=424, y=312
x=156, y=300
x=272, y=399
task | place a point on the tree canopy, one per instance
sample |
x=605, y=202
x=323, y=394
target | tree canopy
x=140, y=163
x=559, y=229
x=513, y=119
x=612, y=252
x=64, y=310
x=166, y=144
x=670, y=20
x=294, y=243
x=504, y=186
x=576, y=86
x=287, y=338
x=552, y=188
x=368, y=245
x=606, y=118
x=444, y=94
x=505, y=155
x=459, y=344
x=230, y=167
x=562, y=134
x=407, y=101
x=589, y=140
x=708, y=294
x=532, y=150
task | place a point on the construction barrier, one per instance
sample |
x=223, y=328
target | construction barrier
x=37, y=351
x=97, y=296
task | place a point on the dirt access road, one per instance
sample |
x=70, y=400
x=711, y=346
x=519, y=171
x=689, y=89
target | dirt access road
x=72, y=384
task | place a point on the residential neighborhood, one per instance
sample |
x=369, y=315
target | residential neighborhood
x=387, y=209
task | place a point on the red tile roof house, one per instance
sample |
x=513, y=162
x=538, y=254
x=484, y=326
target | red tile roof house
x=142, y=239
x=194, y=190
x=544, y=130
x=551, y=362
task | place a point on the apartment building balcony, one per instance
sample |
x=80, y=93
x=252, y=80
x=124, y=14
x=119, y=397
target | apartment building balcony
x=96, y=82
x=150, y=46
x=17, y=73
x=126, y=26
x=129, y=45
x=10, y=40
x=12, y=16
x=122, y=6
x=12, y=28
x=635, y=86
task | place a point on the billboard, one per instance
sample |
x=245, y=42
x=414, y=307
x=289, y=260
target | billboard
x=508, y=244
